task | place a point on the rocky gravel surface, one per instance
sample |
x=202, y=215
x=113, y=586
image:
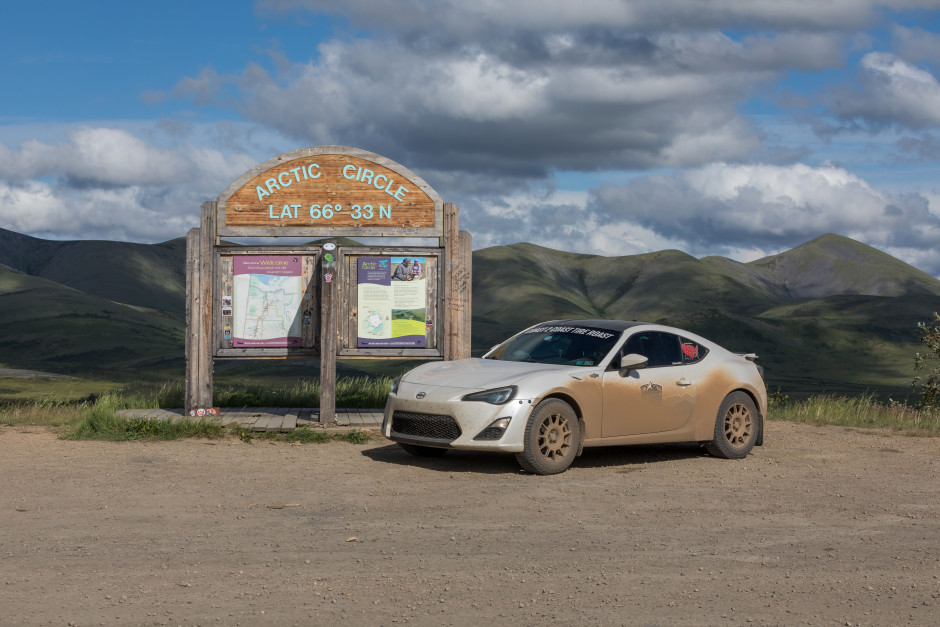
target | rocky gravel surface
x=821, y=526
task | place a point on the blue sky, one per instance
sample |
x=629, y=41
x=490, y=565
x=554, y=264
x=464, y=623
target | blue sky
x=737, y=128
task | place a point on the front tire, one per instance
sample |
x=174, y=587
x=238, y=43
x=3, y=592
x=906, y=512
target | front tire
x=552, y=438
x=737, y=427
x=422, y=451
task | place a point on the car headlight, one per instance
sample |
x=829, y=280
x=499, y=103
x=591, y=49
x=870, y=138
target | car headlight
x=498, y=396
x=394, y=388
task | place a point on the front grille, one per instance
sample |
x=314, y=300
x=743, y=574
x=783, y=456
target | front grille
x=432, y=426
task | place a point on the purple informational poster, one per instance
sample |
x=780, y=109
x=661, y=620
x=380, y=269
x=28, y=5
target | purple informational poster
x=392, y=296
x=266, y=297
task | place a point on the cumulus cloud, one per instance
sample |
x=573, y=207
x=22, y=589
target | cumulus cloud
x=109, y=183
x=741, y=211
x=890, y=91
x=465, y=18
x=668, y=101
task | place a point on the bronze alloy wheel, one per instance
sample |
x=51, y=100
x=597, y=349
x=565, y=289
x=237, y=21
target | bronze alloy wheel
x=552, y=437
x=736, y=427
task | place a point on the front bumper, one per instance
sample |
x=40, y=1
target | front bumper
x=442, y=420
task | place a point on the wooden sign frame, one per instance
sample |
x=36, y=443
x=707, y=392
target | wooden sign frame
x=325, y=192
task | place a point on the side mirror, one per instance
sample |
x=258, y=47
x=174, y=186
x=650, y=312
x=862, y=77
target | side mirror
x=630, y=362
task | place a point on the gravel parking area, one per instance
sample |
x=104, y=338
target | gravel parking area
x=821, y=526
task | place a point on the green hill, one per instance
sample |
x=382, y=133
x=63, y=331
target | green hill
x=830, y=315
x=145, y=275
x=48, y=326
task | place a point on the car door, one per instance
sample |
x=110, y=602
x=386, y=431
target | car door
x=657, y=398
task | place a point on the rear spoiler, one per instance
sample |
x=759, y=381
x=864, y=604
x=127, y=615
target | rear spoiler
x=747, y=356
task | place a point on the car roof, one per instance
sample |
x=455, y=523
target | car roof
x=610, y=325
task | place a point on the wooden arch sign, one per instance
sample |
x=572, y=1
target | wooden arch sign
x=310, y=300
x=330, y=190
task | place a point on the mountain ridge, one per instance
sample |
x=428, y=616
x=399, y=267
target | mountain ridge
x=830, y=310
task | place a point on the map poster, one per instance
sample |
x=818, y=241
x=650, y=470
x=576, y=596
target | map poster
x=266, y=297
x=392, y=294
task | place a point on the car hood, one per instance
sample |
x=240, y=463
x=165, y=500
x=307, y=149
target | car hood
x=476, y=374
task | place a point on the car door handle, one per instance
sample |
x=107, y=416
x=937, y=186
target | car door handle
x=683, y=382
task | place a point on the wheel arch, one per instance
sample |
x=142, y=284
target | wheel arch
x=563, y=397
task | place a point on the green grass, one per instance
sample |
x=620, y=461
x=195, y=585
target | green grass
x=351, y=392
x=94, y=417
x=863, y=411
x=306, y=435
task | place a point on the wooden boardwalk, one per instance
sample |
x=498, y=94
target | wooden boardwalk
x=280, y=419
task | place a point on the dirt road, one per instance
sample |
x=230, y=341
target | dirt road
x=821, y=526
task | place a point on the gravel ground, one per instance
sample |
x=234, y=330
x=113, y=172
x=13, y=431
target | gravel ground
x=821, y=526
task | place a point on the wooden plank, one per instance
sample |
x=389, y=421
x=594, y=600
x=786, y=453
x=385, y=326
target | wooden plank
x=433, y=312
x=348, y=324
x=309, y=309
x=451, y=266
x=258, y=422
x=275, y=422
x=290, y=421
x=464, y=289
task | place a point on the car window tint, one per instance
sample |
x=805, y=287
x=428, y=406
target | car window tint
x=659, y=348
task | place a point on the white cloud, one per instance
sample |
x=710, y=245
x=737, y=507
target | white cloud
x=466, y=17
x=743, y=212
x=891, y=92
x=110, y=183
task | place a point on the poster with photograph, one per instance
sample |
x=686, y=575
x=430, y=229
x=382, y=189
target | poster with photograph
x=392, y=297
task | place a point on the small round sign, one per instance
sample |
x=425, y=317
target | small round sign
x=329, y=246
x=328, y=277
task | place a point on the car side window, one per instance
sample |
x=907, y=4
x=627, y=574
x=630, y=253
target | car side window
x=659, y=348
x=692, y=352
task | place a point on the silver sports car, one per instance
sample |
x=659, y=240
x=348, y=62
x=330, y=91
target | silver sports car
x=557, y=387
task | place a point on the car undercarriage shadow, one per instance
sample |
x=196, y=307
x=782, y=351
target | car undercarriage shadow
x=501, y=463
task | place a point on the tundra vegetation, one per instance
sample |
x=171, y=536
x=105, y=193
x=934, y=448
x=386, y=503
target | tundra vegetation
x=93, y=416
x=929, y=383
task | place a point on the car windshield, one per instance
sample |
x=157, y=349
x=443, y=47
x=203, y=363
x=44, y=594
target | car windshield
x=557, y=344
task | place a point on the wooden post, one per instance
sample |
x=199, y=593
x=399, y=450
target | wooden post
x=464, y=289
x=205, y=307
x=328, y=348
x=451, y=279
x=192, y=315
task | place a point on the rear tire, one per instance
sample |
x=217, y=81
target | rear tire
x=737, y=427
x=422, y=451
x=552, y=438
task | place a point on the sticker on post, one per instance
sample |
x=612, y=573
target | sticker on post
x=328, y=277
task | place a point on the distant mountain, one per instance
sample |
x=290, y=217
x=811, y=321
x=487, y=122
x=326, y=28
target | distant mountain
x=830, y=315
x=145, y=275
x=832, y=265
x=50, y=326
